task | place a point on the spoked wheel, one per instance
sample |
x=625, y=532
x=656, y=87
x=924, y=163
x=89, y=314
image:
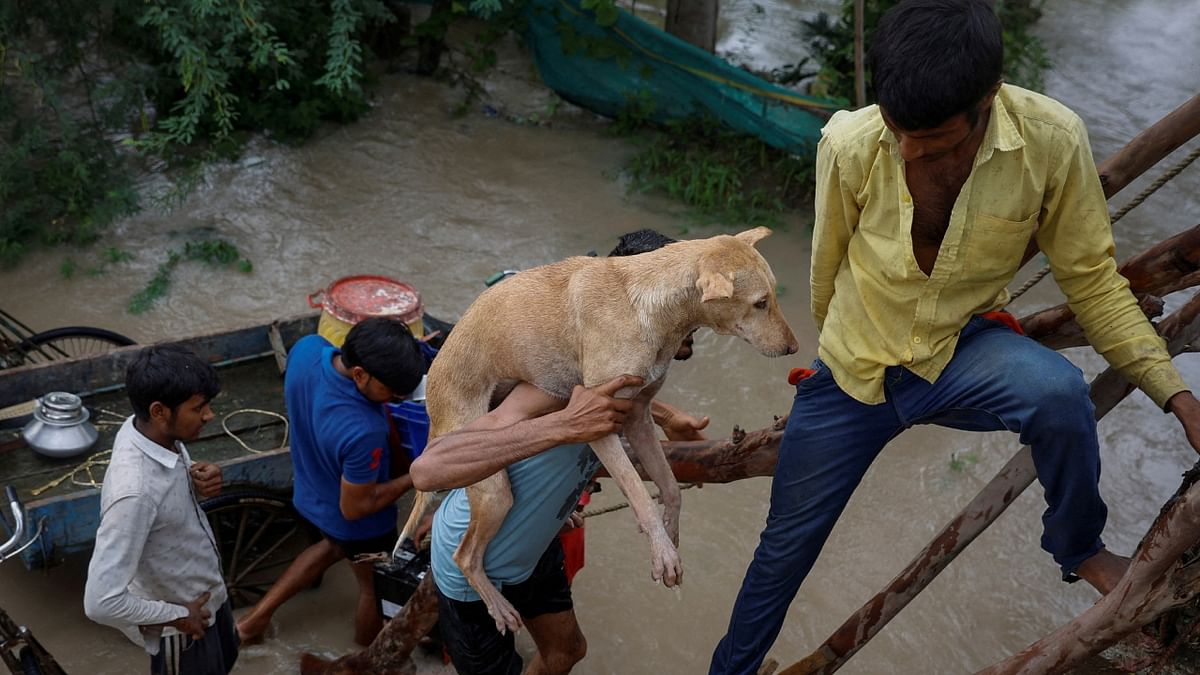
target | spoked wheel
x=69, y=343
x=258, y=533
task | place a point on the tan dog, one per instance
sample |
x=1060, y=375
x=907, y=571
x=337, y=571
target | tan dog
x=586, y=321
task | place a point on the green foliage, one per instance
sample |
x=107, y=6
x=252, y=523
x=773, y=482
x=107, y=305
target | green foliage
x=213, y=252
x=832, y=44
x=726, y=176
x=188, y=79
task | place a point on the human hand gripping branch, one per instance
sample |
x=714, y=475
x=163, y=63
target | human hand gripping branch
x=1187, y=409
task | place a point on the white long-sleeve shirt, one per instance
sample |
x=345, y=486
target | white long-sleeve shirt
x=154, y=549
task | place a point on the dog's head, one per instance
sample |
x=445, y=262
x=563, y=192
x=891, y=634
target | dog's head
x=737, y=290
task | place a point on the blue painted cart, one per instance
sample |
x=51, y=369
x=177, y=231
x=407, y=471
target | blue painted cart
x=257, y=529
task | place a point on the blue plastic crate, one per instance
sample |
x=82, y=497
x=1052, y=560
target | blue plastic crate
x=412, y=422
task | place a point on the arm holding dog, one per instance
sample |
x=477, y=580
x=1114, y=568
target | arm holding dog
x=527, y=422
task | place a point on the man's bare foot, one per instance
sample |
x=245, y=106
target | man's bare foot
x=250, y=631
x=1103, y=570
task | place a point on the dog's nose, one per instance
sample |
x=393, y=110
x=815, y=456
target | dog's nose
x=793, y=347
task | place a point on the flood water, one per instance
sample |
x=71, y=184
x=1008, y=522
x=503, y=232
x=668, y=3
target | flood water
x=443, y=202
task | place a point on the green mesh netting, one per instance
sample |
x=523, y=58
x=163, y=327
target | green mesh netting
x=632, y=64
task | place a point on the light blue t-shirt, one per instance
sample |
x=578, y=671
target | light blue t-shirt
x=545, y=489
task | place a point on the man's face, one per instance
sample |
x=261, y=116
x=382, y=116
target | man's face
x=186, y=421
x=372, y=389
x=928, y=145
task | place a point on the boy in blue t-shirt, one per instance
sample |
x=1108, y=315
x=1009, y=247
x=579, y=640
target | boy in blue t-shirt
x=341, y=459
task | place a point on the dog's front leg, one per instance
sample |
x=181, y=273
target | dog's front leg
x=665, y=564
x=639, y=430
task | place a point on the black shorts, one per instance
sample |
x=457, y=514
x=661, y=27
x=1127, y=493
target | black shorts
x=351, y=548
x=470, y=635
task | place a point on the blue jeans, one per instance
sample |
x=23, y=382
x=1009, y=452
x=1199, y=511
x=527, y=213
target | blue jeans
x=996, y=380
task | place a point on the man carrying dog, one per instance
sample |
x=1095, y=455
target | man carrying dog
x=925, y=205
x=542, y=442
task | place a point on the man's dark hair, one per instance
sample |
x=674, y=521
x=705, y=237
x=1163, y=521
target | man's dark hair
x=387, y=351
x=933, y=59
x=641, y=241
x=170, y=375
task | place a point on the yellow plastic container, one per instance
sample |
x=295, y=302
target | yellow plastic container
x=349, y=300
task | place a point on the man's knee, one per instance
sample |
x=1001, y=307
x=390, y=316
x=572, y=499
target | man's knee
x=564, y=657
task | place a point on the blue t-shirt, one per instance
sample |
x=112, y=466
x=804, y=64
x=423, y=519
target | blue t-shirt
x=335, y=433
x=545, y=489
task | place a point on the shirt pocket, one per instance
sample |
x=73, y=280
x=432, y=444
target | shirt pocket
x=995, y=247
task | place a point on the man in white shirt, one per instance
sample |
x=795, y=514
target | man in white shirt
x=155, y=573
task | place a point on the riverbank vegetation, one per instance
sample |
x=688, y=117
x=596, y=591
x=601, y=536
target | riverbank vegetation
x=735, y=178
x=91, y=94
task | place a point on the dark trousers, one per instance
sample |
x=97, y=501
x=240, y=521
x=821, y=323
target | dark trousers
x=180, y=654
x=996, y=380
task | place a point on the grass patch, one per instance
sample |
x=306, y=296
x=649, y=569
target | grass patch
x=724, y=176
x=212, y=252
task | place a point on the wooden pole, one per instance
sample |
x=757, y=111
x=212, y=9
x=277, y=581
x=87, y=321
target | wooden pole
x=694, y=21
x=860, y=80
x=1150, y=147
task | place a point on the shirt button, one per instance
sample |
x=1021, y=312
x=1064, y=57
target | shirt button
x=907, y=199
x=917, y=339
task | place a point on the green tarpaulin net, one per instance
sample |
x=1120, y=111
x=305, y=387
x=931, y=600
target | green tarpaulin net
x=627, y=64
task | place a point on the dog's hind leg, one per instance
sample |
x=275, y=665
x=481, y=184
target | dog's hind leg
x=664, y=558
x=490, y=499
x=422, y=501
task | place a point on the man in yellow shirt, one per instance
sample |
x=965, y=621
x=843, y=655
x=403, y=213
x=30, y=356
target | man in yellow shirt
x=925, y=204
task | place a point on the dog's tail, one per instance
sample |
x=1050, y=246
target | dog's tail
x=421, y=504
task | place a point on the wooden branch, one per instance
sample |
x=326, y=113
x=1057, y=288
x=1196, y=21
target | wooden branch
x=1158, y=579
x=1150, y=147
x=1171, y=265
x=1107, y=391
x=390, y=653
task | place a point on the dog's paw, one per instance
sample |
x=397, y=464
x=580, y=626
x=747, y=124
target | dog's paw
x=503, y=613
x=666, y=565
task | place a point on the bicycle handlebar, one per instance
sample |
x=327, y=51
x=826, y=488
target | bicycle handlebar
x=18, y=512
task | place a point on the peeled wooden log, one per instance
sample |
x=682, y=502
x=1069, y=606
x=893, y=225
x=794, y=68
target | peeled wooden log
x=390, y=653
x=1160, y=577
x=1150, y=147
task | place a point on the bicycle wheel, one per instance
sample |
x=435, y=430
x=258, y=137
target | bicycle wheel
x=258, y=533
x=68, y=343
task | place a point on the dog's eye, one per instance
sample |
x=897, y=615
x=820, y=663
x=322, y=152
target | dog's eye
x=761, y=304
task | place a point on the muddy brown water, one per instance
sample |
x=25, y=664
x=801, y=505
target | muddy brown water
x=443, y=202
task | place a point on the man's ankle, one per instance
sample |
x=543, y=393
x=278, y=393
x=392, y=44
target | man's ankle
x=1103, y=571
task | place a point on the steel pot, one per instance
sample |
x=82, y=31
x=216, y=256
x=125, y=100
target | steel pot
x=60, y=426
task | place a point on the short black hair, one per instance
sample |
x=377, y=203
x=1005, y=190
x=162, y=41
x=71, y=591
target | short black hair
x=170, y=375
x=640, y=241
x=933, y=59
x=386, y=349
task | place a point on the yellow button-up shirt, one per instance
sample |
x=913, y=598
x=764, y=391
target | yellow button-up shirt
x=1033, y=177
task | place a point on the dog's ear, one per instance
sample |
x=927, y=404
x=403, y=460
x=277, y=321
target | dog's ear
x=713, y=285
x=752, y=237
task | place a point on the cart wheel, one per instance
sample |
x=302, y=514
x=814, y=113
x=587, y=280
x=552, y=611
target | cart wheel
x=258, y=534
x=68, y=343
